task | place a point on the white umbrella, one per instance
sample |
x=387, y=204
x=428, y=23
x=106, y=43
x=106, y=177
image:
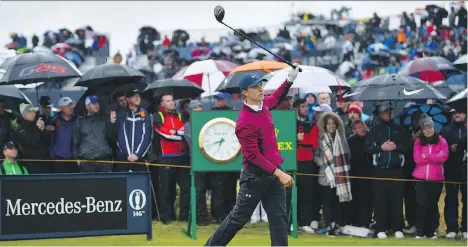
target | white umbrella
x=461, y=63
x=311, y=80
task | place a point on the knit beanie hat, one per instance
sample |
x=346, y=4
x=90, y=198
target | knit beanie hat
x=425, y=121
x=355, y=107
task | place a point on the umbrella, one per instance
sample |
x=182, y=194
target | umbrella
x=208, y=74
x=105, y=92
x=457, y=82
x=445, y=89
x=37, y=67
x=75, y=58
x=107, y=73
x=180, y=89
x=461, y=63
x=310, y=80
x=12, y=96
x=438, y=114
x=42, y=49
x=376, y=47
x=6, y=53
x=260, y=68
x=74, y=41
x=64, y=46
x=458, y=102
x=429, y=69
x=393, y=87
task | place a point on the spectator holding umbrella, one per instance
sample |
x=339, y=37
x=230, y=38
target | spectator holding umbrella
x=10, y=166
x=429, y=153
x=91, y=136
x=33, y=140
x=61, y=127
x=307, y=142
x=386, y=143
x=453, y=134
x=133, y=133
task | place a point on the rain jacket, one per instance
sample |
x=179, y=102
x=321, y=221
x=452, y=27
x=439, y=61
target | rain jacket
x=453, y=133
x=361, y=162
x=32, y=141
x=256, y=133
x=61, y=140
x=431, y=167
x=91, y=137
x=9, y=168
x=306, y=147
x=172, y=145
x=133, y=133
x=381, y=133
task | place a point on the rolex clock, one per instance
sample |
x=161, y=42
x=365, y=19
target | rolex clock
x=218, y=141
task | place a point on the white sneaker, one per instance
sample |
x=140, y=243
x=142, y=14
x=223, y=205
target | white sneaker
x=399, y=234
x=465, y=235
x=291, y=228
x=254, y=220
x=411, y=230
x=418, y=237
x=381, y=235
x=434, y=237
x=451, y=235
x=306, y=229
x=265, y=219
x=314, y=225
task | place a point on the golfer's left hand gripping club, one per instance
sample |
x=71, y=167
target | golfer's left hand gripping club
x=219, y=15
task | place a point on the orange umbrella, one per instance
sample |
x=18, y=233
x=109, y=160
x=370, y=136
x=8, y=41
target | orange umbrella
x=261, y=68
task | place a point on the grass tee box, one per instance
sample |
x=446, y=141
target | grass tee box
x=215, y=146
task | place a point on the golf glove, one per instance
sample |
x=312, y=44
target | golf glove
x=293, y=74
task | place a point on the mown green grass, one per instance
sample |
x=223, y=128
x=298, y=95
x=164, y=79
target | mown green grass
x=251, y=235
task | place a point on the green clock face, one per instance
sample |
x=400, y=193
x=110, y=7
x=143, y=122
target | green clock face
x=218, y=141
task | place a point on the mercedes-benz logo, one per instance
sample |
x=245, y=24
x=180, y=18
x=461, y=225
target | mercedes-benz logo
x=137, y=199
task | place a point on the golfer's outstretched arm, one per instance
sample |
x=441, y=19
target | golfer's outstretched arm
x=247, y=137
x=273, y=100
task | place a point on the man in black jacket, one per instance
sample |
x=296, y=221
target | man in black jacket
x=361, y=166
x=33, y=141
x=462, y=159
x=453, y=172
x=91, y=136
x=386, y=143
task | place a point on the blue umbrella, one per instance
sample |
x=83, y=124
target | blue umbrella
x=457, y=82
x=75, y=58
x=376, y=47
x=438, y=114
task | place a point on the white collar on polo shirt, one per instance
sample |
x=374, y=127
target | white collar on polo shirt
x=255, y=107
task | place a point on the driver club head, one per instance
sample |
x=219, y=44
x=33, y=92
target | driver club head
x=219, y=13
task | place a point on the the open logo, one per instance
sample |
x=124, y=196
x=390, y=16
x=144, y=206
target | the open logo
x=137, y=201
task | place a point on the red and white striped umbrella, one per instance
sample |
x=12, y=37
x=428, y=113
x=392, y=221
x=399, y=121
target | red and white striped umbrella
x=208, y=74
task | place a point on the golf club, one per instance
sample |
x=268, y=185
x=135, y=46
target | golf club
x=219, y=15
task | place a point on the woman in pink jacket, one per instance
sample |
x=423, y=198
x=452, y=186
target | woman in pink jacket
x=430, y=153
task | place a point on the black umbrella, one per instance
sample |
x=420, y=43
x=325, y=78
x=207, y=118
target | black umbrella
x=458, y=102
x=461, y=63
x=106, y=96
x=37, y=67
x=110, y=73
x=180, y=89
x=393, y=87
x=12, y=96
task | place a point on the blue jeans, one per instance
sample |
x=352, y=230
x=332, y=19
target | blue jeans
x=255, y=185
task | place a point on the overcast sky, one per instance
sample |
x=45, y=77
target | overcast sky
x=121, y=20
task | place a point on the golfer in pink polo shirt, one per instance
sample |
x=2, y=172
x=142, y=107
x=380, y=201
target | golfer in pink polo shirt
x=261, y=177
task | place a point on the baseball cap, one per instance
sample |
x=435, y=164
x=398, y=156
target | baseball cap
x=250, y=80
x=323, y=108
x=9, y=145
x=385, y=105
x=92, y=99
x=221, y=96
x=65, y=101
x=194, y=104
x=25, y=108
x=46, y=101
x=132, y=92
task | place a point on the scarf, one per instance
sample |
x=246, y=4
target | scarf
x=338, y=167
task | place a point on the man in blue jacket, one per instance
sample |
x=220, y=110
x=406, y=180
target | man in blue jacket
x=133, y=133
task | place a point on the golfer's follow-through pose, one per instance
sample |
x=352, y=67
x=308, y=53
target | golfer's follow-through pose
x=261, y=177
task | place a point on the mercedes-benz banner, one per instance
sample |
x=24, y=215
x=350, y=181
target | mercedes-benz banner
x=71, y=205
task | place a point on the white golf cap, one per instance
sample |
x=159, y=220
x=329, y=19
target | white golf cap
x=65, y=101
